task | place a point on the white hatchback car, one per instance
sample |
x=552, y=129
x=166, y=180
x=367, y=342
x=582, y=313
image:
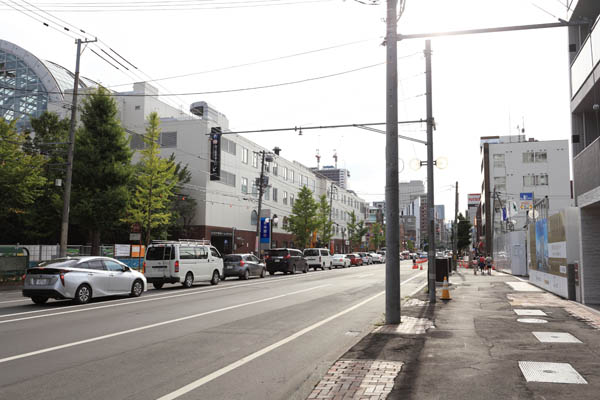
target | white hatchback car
x=81, y=279
x=340, y=260
x=377, y=258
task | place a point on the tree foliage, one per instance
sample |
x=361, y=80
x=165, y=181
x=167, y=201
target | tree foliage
x=377, y=235
x=303, y=220
x=325, y=224
x=22, y=179
x=183, y=205
x=101, y=168
x=464, y=233
x=154, y=182
x=356, y=230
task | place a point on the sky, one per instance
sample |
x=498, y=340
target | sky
x=492, y=84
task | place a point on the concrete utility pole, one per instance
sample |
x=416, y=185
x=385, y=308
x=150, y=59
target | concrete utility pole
x=455, y=236
x=430, y=187
x=64, y=226
x=392, y=266
x=260, y=195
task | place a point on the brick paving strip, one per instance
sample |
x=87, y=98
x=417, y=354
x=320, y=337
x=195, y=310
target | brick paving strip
x=357, y=379
x=549, y=300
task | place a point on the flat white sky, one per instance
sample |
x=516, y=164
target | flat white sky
x=482, y=85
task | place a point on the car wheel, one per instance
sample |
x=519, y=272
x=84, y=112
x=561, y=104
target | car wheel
x=271, y=272
x=294, y=270
x=215, y=278
x=137, y=288
x=262, y=273
x=246, y=275
x=158, y=285
x=305, y=269
x=330, y=266
x=188, y=281
x=39, y=300
x=83, y=294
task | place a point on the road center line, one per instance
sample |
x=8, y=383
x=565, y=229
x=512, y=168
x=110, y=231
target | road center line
x=204, y=380
x=145, y=327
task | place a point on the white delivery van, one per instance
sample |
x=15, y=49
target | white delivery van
x=185, y=261
x=318, y=258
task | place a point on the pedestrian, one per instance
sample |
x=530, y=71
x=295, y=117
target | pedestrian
x=481, y=264
x=414, y=258
x=488, y=264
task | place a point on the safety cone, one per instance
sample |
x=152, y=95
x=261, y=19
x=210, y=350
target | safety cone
x=421, y=265
x=445, y=291
x=415, y=266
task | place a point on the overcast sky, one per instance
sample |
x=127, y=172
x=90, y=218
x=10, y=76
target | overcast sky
x=482, y=85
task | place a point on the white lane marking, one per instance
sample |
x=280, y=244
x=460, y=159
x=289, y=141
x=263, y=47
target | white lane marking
x=363, y=275
x=204, y=380
x=414, y=277
x=13, y=301
x=145, y=327
x=164, y=296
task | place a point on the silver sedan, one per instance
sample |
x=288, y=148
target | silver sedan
x=81, y=279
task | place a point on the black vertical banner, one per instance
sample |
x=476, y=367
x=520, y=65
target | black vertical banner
x=215, y=153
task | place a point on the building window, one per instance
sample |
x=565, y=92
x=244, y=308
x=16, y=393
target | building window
x=227, y=178
x=499, y=161
x=528, y=180
x=138, y=107
x=228, y=146
x=292, y=200
x=255, y=160
x=541, y=156
x=274, y=194
x=305, y=181
x=244, y=155
x=285, y=198
x=285, y=173
x=274, y=169
x=542, y=180
x=312, y=185
x=245, y=185
x=291, y=175
x=253, y=217
x=267, y=194
x=137, y=142
x=528, y=157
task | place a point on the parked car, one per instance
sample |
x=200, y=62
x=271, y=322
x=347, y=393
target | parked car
x=405, y=255
x=422, y=255
x=318, y=258
x=243, y=266
x=285, y=260
x=367, y=259
x=376, y=258
x=355, y=259
x=81, y=279
x=340, y=260
x=186, y=261
x=382, y=254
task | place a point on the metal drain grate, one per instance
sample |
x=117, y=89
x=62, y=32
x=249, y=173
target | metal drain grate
x=532, y=320
x=529, y=312
x=555, y=337
x=550, y=372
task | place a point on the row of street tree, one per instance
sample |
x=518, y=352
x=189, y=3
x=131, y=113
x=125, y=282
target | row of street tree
x=109, y=193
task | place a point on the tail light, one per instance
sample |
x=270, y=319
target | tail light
x=267, y=257
x=144, y=267
x=242, y=263
x=177, y=266
x=62, y=277
x=287, y=257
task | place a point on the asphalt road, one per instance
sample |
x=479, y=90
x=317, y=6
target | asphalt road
x=270, y=338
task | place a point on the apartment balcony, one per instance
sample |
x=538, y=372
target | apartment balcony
x=585, y=70
x=586, y=165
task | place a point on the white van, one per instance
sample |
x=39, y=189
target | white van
x=186, y=261
x=318, y=258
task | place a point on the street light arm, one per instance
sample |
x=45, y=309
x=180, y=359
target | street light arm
x=368, y=128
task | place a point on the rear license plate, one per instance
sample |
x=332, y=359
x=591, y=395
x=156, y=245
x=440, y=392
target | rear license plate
x=159, y=266
x=40, y=281
x=276, y=260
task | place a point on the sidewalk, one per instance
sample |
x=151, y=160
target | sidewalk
x=478, y=348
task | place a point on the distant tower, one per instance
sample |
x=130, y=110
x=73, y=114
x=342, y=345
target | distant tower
x=335, y=157
x=318, y=157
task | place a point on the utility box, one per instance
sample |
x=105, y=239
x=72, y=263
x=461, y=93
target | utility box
x=442, y=269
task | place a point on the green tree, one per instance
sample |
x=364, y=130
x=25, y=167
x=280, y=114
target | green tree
x=356, y=230
x=154, y=184
x=101, y=169
x=21, y=179
x=410, y=245
x=50, y=140
x=377, y=235
x=183, y=206
x=325, y=227
x=464, y=233
x=303, y=220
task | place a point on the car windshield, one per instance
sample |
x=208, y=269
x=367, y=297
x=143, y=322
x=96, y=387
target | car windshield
x=278, y=253
x=311, y=252
x=160, y=253
x=60, y=263
x=232, y=257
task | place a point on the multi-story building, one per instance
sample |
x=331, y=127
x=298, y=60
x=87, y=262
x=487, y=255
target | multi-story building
x=338, y=175
x=514, y=168
x=226, y=211
x=408, y=190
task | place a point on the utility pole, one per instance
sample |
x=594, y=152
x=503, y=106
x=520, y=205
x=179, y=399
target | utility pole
x=64, y=226
x=260, y=195
x=430, y=162
x=392, y=266
x=331, y=208
x=455, y=236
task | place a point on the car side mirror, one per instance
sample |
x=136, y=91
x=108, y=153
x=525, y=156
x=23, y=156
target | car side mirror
x=126, y=269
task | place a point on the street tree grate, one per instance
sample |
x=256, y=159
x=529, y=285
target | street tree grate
x=550, y=372
x=532, y=320
x=529, y=312
x=555, y=337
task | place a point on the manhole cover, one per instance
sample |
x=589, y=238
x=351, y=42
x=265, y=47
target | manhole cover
x=555, y=337
x=529, y=312
x=550, y=372
x=532, y=320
